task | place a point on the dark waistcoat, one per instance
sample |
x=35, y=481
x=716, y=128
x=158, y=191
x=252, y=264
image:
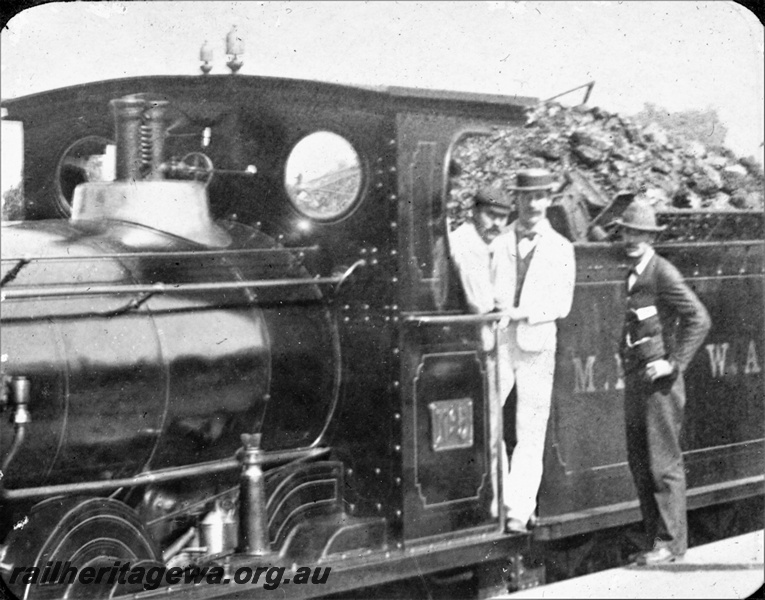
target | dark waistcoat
x=677, y=329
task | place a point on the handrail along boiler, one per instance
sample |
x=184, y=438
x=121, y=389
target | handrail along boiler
x=238, y=343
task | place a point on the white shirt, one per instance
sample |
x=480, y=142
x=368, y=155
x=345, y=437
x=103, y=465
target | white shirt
x=640, y=267
x=526, y=245
x=472, y=257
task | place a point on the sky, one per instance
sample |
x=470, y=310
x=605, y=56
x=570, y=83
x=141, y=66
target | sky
x=680, y=55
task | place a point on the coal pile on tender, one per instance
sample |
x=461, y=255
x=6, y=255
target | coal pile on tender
x=598, y=154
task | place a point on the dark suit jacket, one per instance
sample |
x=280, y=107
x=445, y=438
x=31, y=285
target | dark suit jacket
x=684, y=321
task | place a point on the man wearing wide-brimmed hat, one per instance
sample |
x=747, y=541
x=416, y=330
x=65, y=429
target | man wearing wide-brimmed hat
x=654, y=397
x=534, y=271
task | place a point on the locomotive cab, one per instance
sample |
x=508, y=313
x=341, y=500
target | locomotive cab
x=235, y=292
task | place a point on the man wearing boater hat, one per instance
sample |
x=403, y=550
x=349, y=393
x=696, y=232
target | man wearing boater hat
x=534, y=272
x=655, y=354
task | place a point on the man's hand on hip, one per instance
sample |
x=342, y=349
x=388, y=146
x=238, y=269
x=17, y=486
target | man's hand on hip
x=657, y=369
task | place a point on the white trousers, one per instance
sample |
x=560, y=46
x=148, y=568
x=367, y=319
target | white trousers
x=532, y=375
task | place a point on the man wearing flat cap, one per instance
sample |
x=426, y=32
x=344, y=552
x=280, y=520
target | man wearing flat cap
x=471, y=247
x=655, y=354
x=534, y=273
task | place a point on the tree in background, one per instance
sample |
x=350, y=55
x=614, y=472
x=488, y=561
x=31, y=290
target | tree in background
x=12, y=204
x=691, y=125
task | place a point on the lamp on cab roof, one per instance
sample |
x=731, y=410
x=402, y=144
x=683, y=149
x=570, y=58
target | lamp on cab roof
x=234, y=48
x=206, y=56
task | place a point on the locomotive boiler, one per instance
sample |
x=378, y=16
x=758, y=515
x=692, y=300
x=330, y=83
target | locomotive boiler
x=184, y=355
x=231, y=337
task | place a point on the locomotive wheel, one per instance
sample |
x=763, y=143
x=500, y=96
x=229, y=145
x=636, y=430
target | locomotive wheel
x=86, y=532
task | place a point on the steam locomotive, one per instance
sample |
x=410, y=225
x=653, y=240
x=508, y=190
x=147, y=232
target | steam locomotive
x=231, y=337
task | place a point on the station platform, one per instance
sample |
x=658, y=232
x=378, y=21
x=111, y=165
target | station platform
x=729, y=568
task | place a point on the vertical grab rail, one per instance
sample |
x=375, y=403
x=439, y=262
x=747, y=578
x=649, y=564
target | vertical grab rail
x=497, y=443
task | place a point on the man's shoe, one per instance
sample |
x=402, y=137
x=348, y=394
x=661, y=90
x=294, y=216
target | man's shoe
x=659, y=556
x=515, y=526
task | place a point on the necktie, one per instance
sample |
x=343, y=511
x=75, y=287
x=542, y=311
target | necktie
x=526, y=241
x=631, y=278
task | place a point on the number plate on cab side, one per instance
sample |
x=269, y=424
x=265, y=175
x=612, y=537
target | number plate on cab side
x=452, y=424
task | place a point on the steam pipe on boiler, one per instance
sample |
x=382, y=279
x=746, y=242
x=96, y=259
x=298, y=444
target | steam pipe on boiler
x=161, y=288
x=159, y=476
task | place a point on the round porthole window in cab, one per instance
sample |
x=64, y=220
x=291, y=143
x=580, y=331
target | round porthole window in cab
x=323, y=176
